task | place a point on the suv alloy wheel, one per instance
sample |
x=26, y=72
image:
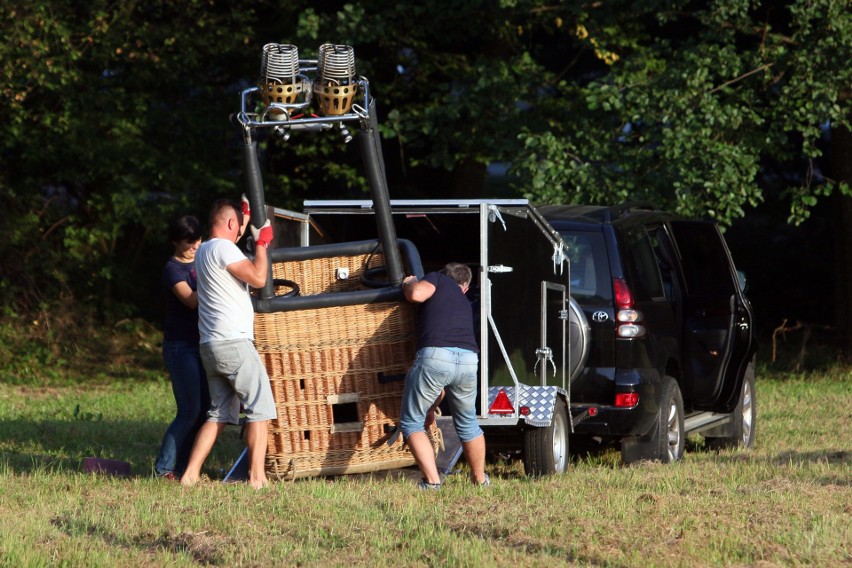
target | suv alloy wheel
x=666, y=440
x=740, y=432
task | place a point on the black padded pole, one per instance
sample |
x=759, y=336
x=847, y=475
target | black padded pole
x=371, y=152
x=355, y=297
x=254, y=193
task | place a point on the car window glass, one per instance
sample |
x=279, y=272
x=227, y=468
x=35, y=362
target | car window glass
x=662, y=250
x=590, y=278
x=646, y=280
x=704, y=259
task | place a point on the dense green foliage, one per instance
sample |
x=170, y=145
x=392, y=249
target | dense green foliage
x=696, y=98
x=115, y=116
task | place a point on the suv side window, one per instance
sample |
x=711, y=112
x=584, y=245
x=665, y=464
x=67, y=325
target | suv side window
x=705, y=262
x=662, y=250
x=642, y=263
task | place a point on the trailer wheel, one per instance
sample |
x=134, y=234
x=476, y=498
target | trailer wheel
x=546, y=449
x=666, y=440
x=740, y=433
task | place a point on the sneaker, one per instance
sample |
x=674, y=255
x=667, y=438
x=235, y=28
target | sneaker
x=486, y=483
x=429, y=486
x=170, y=476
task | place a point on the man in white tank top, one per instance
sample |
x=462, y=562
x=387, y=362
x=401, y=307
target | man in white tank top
x=235, y=373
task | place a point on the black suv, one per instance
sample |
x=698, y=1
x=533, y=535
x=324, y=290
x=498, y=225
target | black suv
x=667, y=340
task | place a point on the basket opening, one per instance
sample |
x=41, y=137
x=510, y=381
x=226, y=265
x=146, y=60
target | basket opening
x=345, y=412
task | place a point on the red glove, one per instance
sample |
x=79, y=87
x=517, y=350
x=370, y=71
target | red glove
x=245, y=204
x=262, y=236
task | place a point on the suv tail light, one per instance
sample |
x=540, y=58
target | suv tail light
x=627, y=399
x=628, y=320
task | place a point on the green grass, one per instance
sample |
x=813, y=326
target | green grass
x=785, y=503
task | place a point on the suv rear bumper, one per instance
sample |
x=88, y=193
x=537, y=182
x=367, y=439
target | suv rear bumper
x=610, y=420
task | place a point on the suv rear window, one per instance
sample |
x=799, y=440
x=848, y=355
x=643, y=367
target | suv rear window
x=590, y=277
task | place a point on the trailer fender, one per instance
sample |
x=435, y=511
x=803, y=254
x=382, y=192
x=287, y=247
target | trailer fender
x=535, y=404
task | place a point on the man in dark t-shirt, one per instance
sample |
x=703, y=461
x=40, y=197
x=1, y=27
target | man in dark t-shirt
x=446, y=364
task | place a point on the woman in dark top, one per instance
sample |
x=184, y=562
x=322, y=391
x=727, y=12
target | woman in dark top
x=180, y=349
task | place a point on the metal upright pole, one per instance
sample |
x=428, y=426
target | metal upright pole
x=371, y=152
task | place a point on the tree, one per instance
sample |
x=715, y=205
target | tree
x=708, y=109
x=113, y=118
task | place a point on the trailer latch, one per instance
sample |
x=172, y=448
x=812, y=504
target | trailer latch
x=494, y=215
x=545, y=354
x=559, y=257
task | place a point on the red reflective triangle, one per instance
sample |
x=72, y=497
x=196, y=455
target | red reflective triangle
x=501, y=404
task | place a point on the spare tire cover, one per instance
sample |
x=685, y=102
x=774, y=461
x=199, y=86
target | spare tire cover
x=579, y=335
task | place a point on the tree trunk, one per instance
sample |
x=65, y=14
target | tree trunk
x=841, y=154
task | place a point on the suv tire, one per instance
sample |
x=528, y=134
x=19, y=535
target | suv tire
x=740, y=433
x=666, y=440
x=546, y=449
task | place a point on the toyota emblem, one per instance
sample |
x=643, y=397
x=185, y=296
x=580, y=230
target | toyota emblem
x=600, y=316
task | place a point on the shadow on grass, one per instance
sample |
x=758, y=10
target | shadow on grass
x=62, y=445
x=204, y=547
x=834, y=457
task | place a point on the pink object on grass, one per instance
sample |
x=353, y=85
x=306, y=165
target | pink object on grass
x=105, y=466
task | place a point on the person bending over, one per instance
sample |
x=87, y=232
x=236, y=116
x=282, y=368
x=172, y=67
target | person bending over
x=446, y=364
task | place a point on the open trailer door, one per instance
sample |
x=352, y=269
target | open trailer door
x=528, y=279
x=526, y=275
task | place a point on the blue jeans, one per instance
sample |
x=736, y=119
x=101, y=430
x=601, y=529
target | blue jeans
x=189, y=385
x=441, y=368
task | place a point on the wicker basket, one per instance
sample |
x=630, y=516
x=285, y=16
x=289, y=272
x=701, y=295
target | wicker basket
x=337, y=376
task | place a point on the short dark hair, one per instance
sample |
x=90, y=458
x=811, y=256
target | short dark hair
x=458, y=272
x=184, y=228
x=222, y=203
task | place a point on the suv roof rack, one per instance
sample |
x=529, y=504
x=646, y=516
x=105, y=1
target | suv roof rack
x=598, y=213
x=622, y=209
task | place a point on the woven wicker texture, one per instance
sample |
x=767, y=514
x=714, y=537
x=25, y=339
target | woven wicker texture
x=337, y=376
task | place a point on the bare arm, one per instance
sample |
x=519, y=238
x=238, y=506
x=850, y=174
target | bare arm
x=252, y=273
x=186, y=295
x=417, y=290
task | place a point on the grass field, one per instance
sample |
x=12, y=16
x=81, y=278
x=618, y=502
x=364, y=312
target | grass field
x=786, y=503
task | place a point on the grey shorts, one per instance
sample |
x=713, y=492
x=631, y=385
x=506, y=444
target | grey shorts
x=236, y=375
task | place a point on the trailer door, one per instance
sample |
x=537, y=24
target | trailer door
x=551, y=356
x=527, y=301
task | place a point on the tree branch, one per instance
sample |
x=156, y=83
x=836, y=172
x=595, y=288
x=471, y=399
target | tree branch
x=783, y=329
x=741, y=77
